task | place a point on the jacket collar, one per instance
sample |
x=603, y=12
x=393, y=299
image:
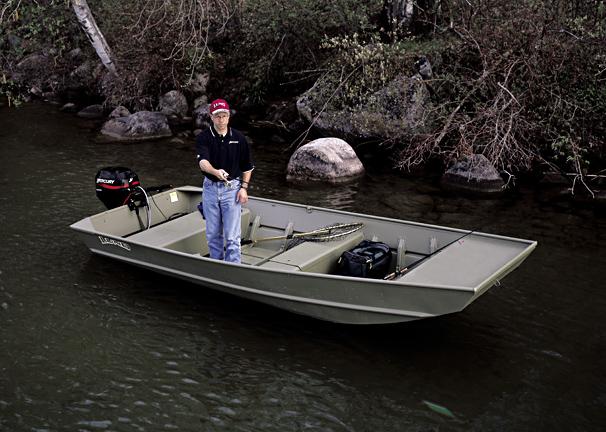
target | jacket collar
x=214, y=132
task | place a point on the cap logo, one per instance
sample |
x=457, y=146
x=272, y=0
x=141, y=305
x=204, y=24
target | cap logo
x=218, y=105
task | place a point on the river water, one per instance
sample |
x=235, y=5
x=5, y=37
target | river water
x=89, y=344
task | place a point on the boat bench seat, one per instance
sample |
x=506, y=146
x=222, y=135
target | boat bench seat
x=185, y=234
x=314, y=257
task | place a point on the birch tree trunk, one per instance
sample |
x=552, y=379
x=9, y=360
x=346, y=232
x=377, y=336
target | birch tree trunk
x=96, y=38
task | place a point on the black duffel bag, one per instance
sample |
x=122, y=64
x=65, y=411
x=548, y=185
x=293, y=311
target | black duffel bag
x=369, y=259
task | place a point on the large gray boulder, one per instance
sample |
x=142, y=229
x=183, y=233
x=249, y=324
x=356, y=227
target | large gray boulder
x=142, y=125
x=34, y=70
x=91, y=112
x=200, y=113
x=473, y=174
x=397, y=108
x=34, y=63
x=119, y=111
x=174, y=103
x=325, y=159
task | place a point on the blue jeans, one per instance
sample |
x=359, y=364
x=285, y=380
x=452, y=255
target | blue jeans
x=222, y=213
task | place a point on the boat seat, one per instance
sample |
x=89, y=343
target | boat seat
x=314, y=257
x=168, y=232
x=185, y=234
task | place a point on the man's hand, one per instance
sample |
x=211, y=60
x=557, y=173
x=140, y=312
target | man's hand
x=242, y=196
x=222, y=175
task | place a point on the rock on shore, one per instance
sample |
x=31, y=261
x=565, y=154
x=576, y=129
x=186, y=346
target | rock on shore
x=473, y=174
x=142, y=125
x=324, y=159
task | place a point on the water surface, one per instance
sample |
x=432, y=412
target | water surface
x=90, y=344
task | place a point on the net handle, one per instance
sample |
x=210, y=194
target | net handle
x=321, y=234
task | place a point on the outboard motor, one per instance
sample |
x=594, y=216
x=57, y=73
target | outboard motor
x=114, y=185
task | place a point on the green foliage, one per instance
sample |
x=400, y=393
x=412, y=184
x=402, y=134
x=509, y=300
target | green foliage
x=277, y=43
x=565, y=149
x=41, y=25
x=11, y=91
x=360, y=66
x=374, y=64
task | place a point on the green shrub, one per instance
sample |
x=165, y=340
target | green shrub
x=275, y=49
x=43, y=26
x=359, y=66
x=40, y=25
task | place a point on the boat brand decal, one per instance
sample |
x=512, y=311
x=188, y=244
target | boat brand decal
x=112, y=242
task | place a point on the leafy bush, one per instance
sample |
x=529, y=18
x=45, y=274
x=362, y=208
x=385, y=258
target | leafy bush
x=38, y=25
x=275, y=48
x=520, y=81
x=158, y=46
x=359, y=66
x=11, y=91
x=42, y=27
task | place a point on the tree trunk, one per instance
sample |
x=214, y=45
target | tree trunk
x=398, y=15
x=96, y=38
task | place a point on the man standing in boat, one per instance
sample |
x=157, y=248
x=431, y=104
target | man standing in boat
x=225, y=159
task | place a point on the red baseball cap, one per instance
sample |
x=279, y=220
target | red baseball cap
x=217, y=106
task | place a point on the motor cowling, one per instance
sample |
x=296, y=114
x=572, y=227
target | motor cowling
x=114, y=185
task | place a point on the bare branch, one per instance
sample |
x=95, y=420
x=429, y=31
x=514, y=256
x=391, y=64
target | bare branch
x=299, y=140
x=10, y=5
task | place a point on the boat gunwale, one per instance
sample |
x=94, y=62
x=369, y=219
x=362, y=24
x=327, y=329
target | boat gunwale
x=343, y=212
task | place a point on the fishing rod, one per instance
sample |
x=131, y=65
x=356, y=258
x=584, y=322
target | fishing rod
x=400, y=272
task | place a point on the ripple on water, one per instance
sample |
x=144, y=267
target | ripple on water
x=96, y=424
x=226, y=410
x=189, y=381
x=189, y=397
x=217, y=421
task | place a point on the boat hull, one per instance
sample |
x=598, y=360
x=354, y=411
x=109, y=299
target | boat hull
x=328, y=297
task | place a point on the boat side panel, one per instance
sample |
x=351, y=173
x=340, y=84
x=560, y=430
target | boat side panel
x=299, y=292
x=122, y=221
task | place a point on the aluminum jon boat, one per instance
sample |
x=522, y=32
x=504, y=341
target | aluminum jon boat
x=434, y=270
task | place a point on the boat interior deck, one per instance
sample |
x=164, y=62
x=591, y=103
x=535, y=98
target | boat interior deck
x=187, y=234
x=173, y=222
x=177, y=224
